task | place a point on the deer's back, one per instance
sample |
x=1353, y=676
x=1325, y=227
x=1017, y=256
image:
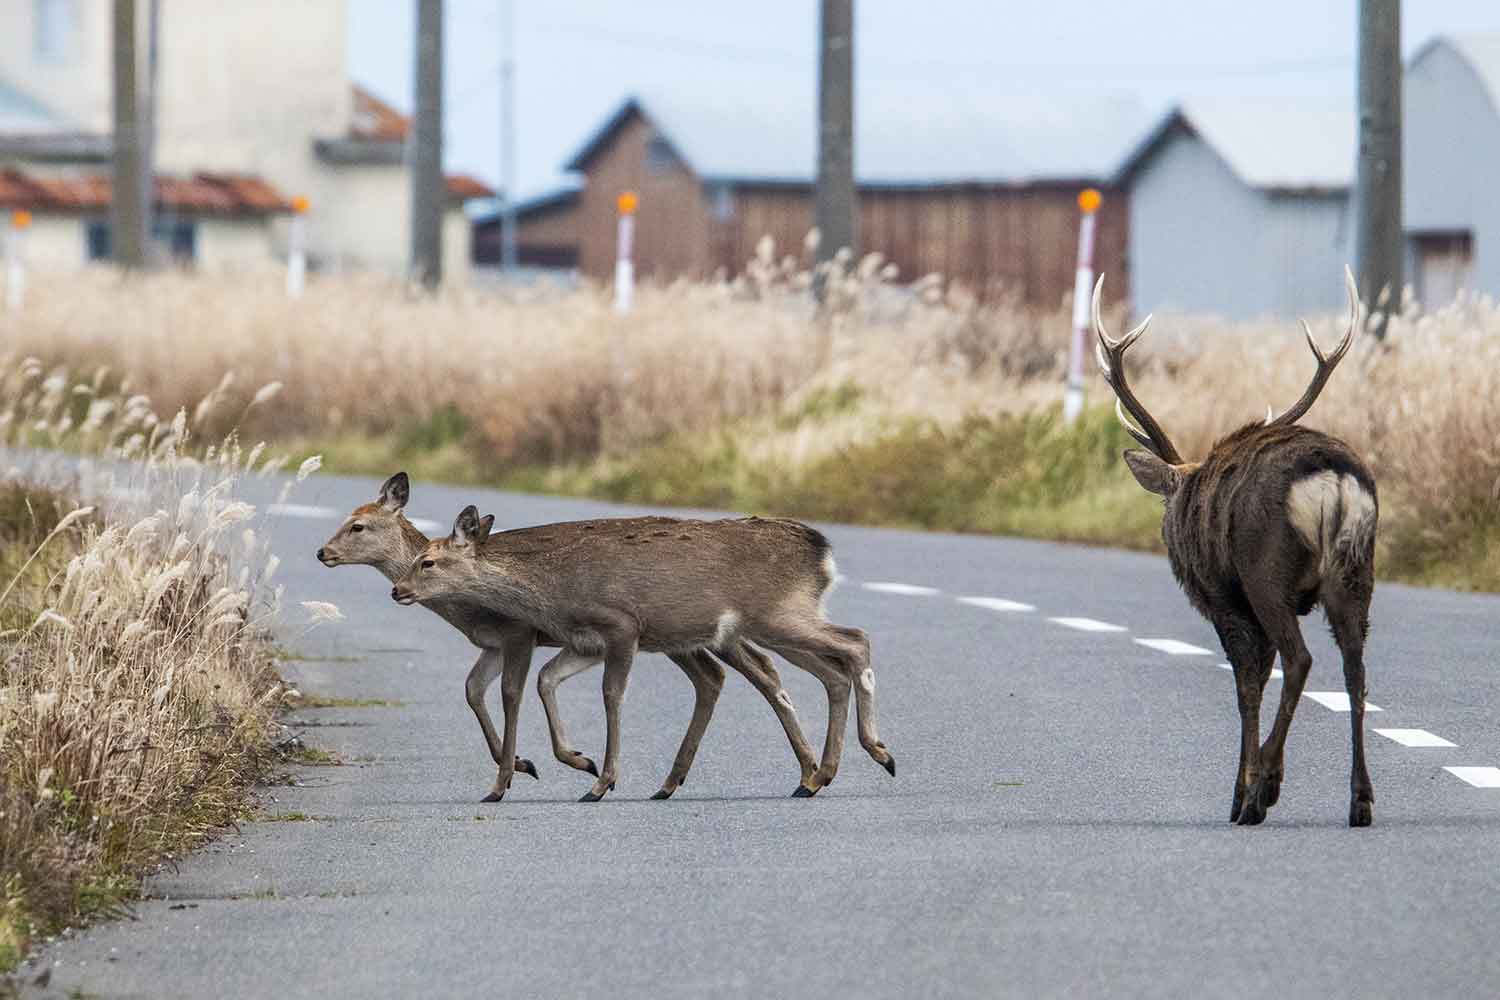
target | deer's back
x=1265, y=500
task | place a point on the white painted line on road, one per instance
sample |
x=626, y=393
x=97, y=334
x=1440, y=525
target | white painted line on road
x=1415, y=738
x=910, y=590
x=996, y=604
x=1087, y=625
x=1479, y=777
x=1337, y=701
x=1276, y=673
x=425, y=526
x=1175, y=647
x=302, y=510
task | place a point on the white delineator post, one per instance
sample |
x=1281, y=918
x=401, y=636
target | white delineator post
x=296, y=249
x=15, y=260
x=1089, y=201
x=625, y=246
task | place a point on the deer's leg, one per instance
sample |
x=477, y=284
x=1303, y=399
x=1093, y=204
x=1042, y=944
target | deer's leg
x=515, y=656
x=1280, y=624
x=1348, y=609
x=489, y=666
x=619, y=654
x=837, y=684
x=758, y=669
x=708, y=680
x=853, y=654
x=1250, y=655
x=558, y=669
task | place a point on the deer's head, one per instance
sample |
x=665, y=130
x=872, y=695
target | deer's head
x=447, y=565
x=1156, y=465
x=375, y=533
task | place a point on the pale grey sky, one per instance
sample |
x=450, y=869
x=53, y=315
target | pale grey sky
x=575, y=59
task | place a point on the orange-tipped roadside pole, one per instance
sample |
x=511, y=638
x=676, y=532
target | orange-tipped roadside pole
x=1089, y=201
x=627, y=203
x=15, y=260
x=296, y=248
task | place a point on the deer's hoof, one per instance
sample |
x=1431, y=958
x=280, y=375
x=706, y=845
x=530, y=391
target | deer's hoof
x=588, y=765
x=591, y=796
x=889, y=764
x=493, y=797
x=663, y=794
x=1270, y=791
x=527, y=767
x=803, y=792
x=1361, y=813
x=1252, y=813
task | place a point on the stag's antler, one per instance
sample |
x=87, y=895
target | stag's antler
x=1111, y=355
x=1326, y=363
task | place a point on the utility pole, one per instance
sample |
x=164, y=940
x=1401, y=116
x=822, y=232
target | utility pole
x=427, y=190
x=1378, y=252
x=131, y=183
x=836, y=211
x=508, y=257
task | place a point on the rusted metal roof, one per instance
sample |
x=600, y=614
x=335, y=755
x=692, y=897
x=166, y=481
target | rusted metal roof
x=376, y=120
x=464, y=186
x=200, y=194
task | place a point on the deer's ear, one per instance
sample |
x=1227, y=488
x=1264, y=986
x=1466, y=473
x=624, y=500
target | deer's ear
x=486, y=523
x=1151, y=472
x=466, y=528
x=395, y=492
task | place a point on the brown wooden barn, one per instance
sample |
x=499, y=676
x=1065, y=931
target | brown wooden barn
x=983, y=193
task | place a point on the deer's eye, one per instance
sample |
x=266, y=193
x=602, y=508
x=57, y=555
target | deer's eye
x=428, y=564
x=356, y=527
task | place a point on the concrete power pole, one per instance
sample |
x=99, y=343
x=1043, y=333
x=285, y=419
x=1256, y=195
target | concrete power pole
x=1379, y=249
x=508, y=255
x=837, y=208
x=130, y=208
x=427, y=191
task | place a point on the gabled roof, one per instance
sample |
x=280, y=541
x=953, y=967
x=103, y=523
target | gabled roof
x=200, y=194
x=1281, y=144
x=376, y=120
x=903, y=137
x=1481, y=52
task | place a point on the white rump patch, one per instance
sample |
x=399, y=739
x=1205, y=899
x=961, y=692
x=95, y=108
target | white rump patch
x=867, y=679
x=1314, y=505
x=729, y=621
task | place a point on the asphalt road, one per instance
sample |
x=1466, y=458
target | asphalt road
x=1057, y=826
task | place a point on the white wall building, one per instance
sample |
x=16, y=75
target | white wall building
x=256, y=90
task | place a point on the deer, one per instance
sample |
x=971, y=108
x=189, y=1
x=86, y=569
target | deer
x=378, y=534
x=667, y=586
x=1275, y=520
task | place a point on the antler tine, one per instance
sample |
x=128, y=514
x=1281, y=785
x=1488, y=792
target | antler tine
x=1326, y=362
x=1111, y=355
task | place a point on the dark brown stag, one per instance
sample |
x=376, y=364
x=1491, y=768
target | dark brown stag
x=1276, y=520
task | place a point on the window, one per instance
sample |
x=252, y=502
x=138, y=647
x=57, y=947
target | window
x=173, y=239
x=55, y=25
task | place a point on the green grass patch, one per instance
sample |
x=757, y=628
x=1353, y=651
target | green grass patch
x=314, y=757
x=321, y=701
x=294, y=817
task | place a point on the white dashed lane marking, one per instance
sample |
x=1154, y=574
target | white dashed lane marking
x=1276, y=673
x=301, y=510
x=425, y=526
x=1337, y=701
x=1415, y=738
x=1087, y=625
x=996, y=604
x=1479, y=777
x=909, y=589
x=1175, y=647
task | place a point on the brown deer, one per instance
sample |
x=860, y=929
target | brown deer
x=668, y=586
x=1276, y=520
x=378, y=534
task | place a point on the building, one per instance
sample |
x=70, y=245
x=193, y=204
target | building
x=980, y=189
x=1241, y=208
x=257, y=92
x=1451, y=151
x=546, y=232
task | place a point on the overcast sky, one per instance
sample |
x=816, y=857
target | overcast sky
x=575, y=59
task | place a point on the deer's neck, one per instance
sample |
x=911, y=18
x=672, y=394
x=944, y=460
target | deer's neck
x=396, y=563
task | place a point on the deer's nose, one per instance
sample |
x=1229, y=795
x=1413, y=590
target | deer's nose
x=395, y=593
x=320, y=555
